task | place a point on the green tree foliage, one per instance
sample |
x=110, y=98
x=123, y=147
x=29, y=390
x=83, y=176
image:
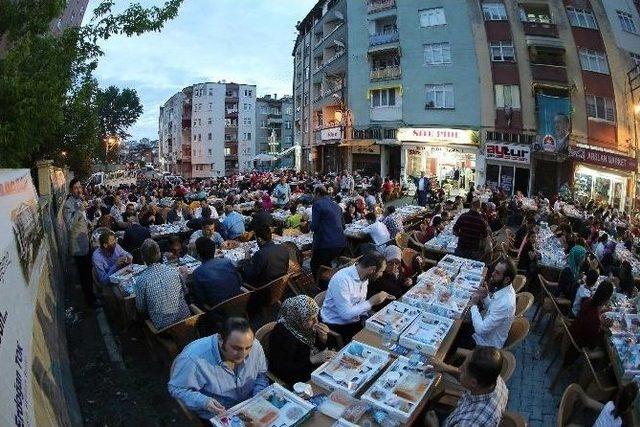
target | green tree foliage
x=50, y=103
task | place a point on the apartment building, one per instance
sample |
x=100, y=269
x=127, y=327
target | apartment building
x=274, y=128
x=71, y=17
x=208, y=130
x=528, y=95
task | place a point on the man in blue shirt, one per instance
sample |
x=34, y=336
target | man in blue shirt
x=327, y=224
x=233, y=224
x=214, y=373
x=217, y=279
x=109, y=257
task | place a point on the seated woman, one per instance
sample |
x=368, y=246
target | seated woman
x=351, y=214
x=588, y=328
x=299, y=342
x=572, y=273
x=626, y=282
x=392, y=280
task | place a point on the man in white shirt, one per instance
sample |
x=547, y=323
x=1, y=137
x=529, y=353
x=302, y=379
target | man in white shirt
x=492, y=311
x=346, y=298
x=377, y=230
x=197, y=213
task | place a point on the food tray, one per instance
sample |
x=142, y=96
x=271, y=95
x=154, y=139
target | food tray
x=353, y=367
x=400, y=389
x=469, y=282
x=340, y=405
x=126, y=273
x=398, y=314
x=426, y=332
x=274, y=406
x=451, y=262
x=437, y=299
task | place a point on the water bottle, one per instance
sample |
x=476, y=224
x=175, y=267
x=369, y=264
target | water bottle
x=387, y=335
x=415, y=357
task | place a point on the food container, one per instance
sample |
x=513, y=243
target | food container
x=396, y=313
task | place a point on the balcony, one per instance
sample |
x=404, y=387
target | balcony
x=231, y=97
x=274, y=120
x=549, y=73
x=332, y=89
x=386, y=73
x=540, y=29
x=338, y=54
x=383, y=38
x=374, y=6
x=231, y=114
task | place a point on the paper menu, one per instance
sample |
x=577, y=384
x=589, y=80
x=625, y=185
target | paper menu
x=272, y=407
x=400, y=389
x=397, y=314
x=353, y=367
x=427, y=332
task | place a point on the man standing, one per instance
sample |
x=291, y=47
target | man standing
x=423, y=187
x=472, y=231
x=327, y=224
x=159, y=292
x=214, y=373
x=75, y=218
x=346, y=298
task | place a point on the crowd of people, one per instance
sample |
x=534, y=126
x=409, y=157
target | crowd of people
x=112, y=228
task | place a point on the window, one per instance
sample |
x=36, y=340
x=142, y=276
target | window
x=494, y=12
x=582, y=18
x=199, y=137
x=249, y=136
x=209, y=120
x=635, y=58
x=626, y=22
x=210, y=106
x=437, y=54
x=195, y=123
x=264, y=123
x=508, y=96
x=287, y=125
x=210, y=91
x=209, y=138
x=227, y=151
x=383, y=98
x=287, y=139
x=432, y=17
x=602, y=108
x=439, y=96
x=195, y=137
x=538, y=13
x=199, y=122
x=592, y=60
x=209, y=151
x=248, y=92
x=502, y=51
x=264, y=109
x=306, y=72
x=289, y=111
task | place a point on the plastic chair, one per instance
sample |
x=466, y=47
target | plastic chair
x=233, y=307
x=518, y=332
x=512, y=419
x=572, y=395
x=524, y=301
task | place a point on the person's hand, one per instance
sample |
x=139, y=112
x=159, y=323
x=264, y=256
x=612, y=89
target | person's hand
x=215, y=407
x=122, y=261
x=482, y=291
x=380, y=297
x=431, y=419
x=322, y=331
x=322, y=356
x=408, y=282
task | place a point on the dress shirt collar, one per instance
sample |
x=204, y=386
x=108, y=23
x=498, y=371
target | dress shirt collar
x=501, y=293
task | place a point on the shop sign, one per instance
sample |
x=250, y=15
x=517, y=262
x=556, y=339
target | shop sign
x=603, y=158
x=330, y=134
x=509, y=152
x=371, y=149
x=436, y=135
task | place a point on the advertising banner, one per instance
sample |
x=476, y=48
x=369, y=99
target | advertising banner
x=436, y=135
x=554, y=123
x=603, y=158
x=508, y=152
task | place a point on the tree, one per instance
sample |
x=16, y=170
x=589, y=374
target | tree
x=49, y=100
x=117, y=111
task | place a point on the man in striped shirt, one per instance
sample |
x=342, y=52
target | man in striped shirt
x=472, y=230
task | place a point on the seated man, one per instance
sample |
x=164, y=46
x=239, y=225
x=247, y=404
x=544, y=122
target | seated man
x=392, y=280
x=217, y=279
x=196, y=223
x=233, y=224
x=208, y=230
x=109, y=257
x=486, y=395
x=393, y=221
x=268, y=263
x=261, y=218
x=178, y=212
x=346, y=298
x=491, y=315
x=214, y=373
x=159, y=292
x=377, y=230
x=135, y=234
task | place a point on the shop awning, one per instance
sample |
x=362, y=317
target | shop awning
x=358, y=143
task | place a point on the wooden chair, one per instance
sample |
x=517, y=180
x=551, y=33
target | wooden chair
x=233, y=307
x=572, y=395
x=600, y=385
x=268, y=297
x=524, y=301
x=291, y=232
x=319, y=299
x=402, y=240
x=408, y=255
x=174, y=338
x=512, y=419
x=262, y=335
x=518, y=332
x=519, y=282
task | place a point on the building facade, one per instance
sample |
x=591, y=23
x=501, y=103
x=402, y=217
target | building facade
x=274, y=128
x=208, y=130
x=529, y=95
x=71, y=17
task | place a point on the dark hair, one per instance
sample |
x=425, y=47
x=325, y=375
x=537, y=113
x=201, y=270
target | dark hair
x=174, y=239
x=372, y=259
x=264, y=233
x=73, y=182
x=206, y=212
x=602, y=294
x=208, y=221
x=603, y=238
x=206, y=248
x=592, y=277
x=485, y=365
x=104, y=237
x=625, y=398
x=150, y=252
x=320, y=190
x=510, y=270
x=370, y=217
x=437, y=221
x=233, y=324
x=391, y=209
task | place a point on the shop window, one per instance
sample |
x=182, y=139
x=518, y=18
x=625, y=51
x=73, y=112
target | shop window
x=510, y=178
x=492, y=176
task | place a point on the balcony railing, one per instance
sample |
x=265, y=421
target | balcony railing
x=331, y=89
x=386, y=73
x=334, y=57
x=374, y=6
x=382, y=38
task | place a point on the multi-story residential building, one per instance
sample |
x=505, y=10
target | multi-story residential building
x=208, y=130
x=528, y=95
x=274, y=128
x=71, y=17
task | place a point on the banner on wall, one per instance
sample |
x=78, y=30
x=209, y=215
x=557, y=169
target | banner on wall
x=554, y=123
x=23, y=266
x=508, y=152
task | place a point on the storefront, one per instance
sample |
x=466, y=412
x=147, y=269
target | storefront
x=449, y=155
x=508, y=166
x=329, y=150
x=603, y=176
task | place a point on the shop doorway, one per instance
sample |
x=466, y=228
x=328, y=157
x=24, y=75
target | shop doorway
x=604, y=188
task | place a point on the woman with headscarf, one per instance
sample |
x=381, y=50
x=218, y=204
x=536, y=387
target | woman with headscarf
x=267, y=204
x=299, y=342
x=572, y=273
x=392, y=280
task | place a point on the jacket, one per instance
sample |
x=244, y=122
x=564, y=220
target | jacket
x=327, y=224
x=269, y=263
x=77, y=226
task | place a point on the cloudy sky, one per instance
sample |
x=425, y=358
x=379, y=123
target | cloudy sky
x=244, y=41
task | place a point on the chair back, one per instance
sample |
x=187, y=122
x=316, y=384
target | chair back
x=402, y=240
x=319, y=299
x=567, y=404
x=508, y=365
x=179, y=334
x=519, y=282
x=262, y=335
x=233, y=307
x=518, y=332
x=524, y=301
x=602, y=389
x=512, y=419
x=268, y=295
